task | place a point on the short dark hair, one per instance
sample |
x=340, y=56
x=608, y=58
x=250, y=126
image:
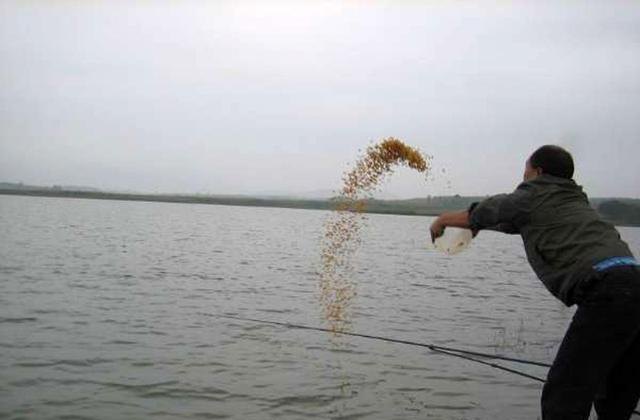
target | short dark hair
x=553, y=160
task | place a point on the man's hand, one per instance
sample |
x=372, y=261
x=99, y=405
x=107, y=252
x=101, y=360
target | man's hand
x=437, y=229
x=454, y=219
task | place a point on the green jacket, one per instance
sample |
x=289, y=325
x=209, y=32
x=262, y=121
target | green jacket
x=563, y=235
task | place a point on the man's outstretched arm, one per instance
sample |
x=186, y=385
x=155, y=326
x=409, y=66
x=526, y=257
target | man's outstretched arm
x=501, y=212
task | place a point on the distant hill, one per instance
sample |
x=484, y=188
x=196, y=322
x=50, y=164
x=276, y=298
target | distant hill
x=620, y=211
x=20, y=186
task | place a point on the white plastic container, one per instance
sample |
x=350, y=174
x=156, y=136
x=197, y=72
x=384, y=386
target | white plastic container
x=454, y=240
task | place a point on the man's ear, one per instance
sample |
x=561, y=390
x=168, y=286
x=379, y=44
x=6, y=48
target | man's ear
x=539, y=171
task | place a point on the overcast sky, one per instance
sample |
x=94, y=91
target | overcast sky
x=277, y=97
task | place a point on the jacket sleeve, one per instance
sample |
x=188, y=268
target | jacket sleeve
x=503, y=212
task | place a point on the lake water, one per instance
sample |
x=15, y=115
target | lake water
x=107, y=311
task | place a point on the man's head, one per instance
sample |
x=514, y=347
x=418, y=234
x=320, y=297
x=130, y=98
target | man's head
x=550, y=160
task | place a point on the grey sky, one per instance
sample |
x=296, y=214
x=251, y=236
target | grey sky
x=247, y=97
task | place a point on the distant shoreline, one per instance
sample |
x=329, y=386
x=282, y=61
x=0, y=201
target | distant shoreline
x=288, y=203
x=411, y=207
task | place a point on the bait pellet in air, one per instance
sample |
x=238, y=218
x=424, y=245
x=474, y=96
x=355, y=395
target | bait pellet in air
x=342, y=228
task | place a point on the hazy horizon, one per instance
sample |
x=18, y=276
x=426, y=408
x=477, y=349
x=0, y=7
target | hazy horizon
x=278, y=97
x=296, y=195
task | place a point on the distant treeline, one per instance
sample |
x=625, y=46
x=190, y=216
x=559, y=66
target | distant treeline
x=621, y=211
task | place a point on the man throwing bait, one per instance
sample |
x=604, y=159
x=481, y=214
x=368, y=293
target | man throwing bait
x=582, y=260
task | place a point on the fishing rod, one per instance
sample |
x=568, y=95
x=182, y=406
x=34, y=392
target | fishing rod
x=429, y=346
x=450, y=351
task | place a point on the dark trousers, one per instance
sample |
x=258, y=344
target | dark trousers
x=598, y=362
